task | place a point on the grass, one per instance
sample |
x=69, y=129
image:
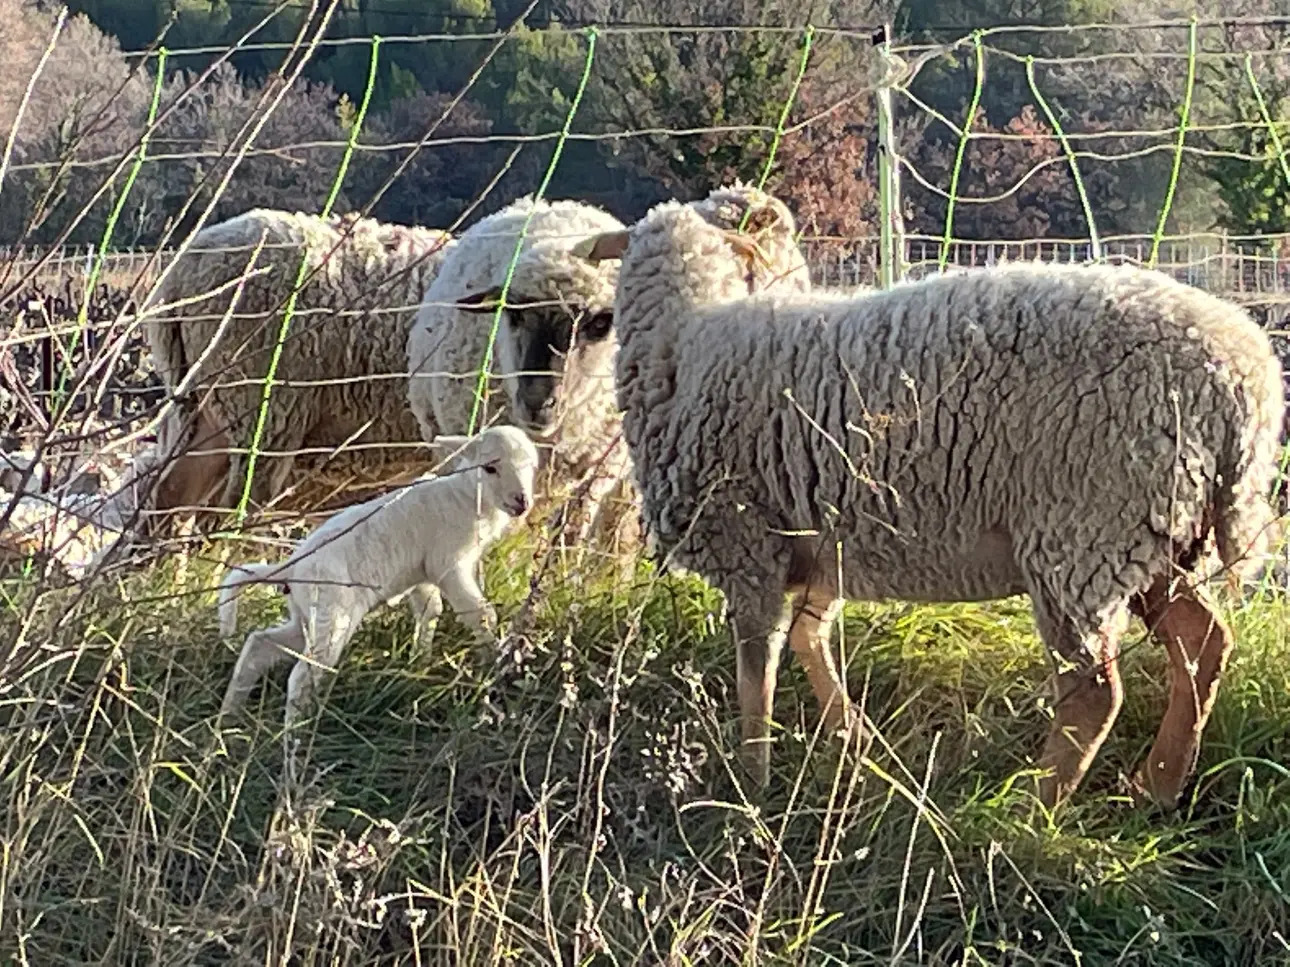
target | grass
x=576, y=801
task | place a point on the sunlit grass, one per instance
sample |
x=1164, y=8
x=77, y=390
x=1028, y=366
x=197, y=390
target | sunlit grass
x=577, y=800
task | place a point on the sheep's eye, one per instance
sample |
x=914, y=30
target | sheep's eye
x=598, y=326
x=489, y=468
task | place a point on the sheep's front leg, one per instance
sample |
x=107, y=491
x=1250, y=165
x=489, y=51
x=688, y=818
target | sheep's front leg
x=1087, y=696
x=426, y=604
x=758, y=625
x=468, y=601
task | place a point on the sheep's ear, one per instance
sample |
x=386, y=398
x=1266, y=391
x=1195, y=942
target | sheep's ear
x=484, y=301
x=761, y=218
x=602, y=247
x=748, y=248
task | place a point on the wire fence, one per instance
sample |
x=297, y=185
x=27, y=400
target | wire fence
x=1245, y=269
x=280, y=367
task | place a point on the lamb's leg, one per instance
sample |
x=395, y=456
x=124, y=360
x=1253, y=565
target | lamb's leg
x=758, y=623
x=426, y=604
x=814, y=613
x=1087, y=697
x=262, y=651
x=1199, y=644
x=468, y=602
x=332, y=624
x=329, y=625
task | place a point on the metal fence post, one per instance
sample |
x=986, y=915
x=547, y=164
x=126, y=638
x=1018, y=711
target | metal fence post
x=891, y=239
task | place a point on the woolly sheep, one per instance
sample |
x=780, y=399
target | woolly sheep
x=74, y=528
x=420, y=540
x=1071, y=432
x=554, y=345
x=376, y=275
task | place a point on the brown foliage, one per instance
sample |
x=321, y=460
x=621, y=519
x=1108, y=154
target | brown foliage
x=1014, y=182
x=825, y=170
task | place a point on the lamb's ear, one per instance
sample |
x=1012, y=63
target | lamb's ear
x=600, y=248
x=451, y=440
x=452, y=449
x=484, y=301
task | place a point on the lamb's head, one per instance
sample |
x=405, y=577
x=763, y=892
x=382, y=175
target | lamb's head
x=746, y=208
x=503, y=462
x=555, y=344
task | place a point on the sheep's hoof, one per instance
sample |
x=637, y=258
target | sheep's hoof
x=1147, y=794
x=755, y=755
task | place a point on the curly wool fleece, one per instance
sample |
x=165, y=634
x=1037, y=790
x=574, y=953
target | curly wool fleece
x=1052, y=429
x=345, y=342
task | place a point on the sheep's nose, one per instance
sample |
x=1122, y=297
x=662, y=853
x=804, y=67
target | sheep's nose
x=521, y=504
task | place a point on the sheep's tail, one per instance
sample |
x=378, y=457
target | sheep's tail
x=1244, y=517
x=238, y=577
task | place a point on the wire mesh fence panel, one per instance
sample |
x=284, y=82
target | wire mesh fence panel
x=264, y=269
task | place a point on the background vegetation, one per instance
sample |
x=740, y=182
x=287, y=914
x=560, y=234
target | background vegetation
x=92, y=100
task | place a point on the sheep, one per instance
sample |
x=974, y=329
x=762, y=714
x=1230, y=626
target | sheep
x=554, y=344
x=553, y=347
x=74, y=528
x=423, y=541
x=376, y=275
x=1074, y=433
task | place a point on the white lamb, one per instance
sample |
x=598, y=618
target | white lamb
x=418, y=541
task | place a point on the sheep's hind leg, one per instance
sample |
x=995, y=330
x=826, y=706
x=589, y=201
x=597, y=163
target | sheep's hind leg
x=1087, y=697
x=337, y=618
x=814, y=613
x=1198, y=643
x=262, y=651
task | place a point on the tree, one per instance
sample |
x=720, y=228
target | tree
x=1249, y=168
x=825, y=170
x=657, y=88
x=291, y=163
x=443, y=179
x=86, y=110
x=1023, y=173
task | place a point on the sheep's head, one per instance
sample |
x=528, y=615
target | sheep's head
x=555, y=345
x=743, y=208
x=673, y=221
x=504, y=463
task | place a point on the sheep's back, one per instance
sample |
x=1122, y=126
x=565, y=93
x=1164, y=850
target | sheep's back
x=958, y=425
